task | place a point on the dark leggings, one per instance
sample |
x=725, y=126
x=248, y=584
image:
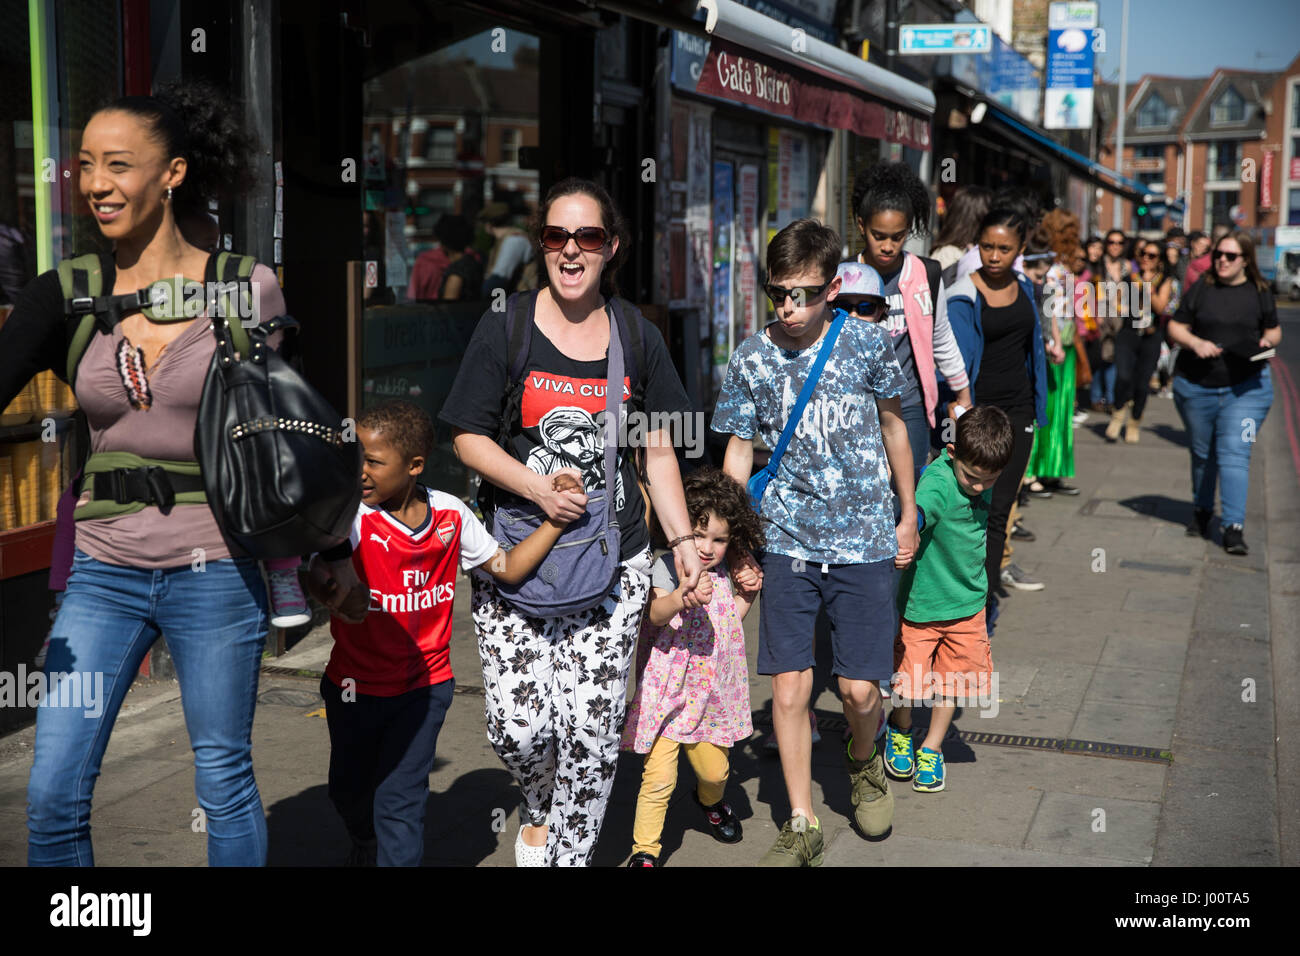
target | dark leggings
x=1005, y=490
x=1136, y=358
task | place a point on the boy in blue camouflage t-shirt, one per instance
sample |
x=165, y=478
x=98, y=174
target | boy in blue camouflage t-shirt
x=831, y=540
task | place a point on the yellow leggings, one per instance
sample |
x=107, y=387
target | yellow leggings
x=659, y=779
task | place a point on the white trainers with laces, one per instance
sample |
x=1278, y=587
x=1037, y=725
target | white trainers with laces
x=288, y=605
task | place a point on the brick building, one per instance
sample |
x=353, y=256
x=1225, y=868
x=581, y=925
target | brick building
x=1279, y=174
x=1203, y=140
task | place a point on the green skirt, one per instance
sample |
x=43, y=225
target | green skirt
x=1053, y=452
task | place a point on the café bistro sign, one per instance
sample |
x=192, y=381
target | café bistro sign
x=752, y=79
x=731, y=73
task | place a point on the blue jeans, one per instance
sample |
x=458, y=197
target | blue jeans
x=215, y=623
x=381, y=755
x=1103, y=384
x=1222, y=425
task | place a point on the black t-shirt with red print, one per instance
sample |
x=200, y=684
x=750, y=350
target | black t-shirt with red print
x=563, y=408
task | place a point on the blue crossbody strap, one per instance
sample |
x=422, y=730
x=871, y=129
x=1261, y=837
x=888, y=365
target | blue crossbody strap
x=828, y=345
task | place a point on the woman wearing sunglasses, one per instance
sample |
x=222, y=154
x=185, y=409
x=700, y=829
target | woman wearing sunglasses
x=1137, y=346
x=890, y=203
x=1222, y=389
x=556, y=686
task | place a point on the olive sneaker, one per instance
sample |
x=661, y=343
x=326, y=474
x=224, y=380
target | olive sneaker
x=873, y=804
x=796, y=847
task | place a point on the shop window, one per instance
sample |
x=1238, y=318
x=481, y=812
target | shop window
x=1293, y=208
x=1223, y=161
x=477, y=98
x=1228, y=108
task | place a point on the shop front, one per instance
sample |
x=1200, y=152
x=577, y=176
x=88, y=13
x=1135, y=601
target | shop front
x=754, y=140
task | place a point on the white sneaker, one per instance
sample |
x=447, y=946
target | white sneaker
x=1013, y=577
x=526, y=855
x=288, y=606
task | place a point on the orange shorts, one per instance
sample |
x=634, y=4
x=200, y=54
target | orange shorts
x=943, y=658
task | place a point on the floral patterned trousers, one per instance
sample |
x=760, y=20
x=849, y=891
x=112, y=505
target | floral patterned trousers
x=556, y=691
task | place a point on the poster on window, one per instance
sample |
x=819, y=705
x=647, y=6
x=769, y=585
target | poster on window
x=698, y=166
x=746, y=253
x=788, y=176
x=677, y=265
x=395, y=249
x=699, y=267
x=723, y=217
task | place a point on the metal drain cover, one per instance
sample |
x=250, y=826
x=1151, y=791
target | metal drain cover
x=288, y=697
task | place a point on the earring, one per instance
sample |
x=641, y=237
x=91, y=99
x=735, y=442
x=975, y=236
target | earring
x=169, y=193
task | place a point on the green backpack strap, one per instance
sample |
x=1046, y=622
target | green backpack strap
x=231, y=271
x=80, y=278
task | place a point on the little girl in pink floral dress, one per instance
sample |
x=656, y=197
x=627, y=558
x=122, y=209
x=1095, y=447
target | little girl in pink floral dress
x=692, y=679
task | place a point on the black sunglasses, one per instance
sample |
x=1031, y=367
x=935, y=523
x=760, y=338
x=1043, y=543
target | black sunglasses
x=803, y=294
x=1150, y=255
x=866, y=308
x=588, y=238
x=1221, y=254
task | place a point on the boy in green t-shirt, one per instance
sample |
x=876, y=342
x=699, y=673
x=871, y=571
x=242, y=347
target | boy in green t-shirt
x=942, y=649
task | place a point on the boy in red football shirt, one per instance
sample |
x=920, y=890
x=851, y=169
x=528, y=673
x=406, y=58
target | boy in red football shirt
x=388, y=683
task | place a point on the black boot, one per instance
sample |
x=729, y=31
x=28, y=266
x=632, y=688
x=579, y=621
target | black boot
x=643, y=859
x=1200, y=524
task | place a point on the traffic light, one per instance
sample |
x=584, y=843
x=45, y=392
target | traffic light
x=1142, y=210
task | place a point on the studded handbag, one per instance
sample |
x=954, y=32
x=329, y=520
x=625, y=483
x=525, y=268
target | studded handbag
x=281, y=475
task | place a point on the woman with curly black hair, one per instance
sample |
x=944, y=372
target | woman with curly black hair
x=148, y=164
x=890, y=203
x=692, y=680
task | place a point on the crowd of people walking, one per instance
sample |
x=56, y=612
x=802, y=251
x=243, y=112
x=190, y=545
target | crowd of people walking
x=910, y=403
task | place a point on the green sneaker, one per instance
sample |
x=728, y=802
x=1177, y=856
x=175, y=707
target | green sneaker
x=873, y=804
x=793, y=847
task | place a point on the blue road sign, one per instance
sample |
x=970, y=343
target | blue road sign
x=927, y=39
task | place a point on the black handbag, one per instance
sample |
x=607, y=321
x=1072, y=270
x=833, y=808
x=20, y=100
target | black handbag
x=282, y=477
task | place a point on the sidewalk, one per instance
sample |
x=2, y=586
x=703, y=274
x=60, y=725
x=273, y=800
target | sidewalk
x=1151, y=652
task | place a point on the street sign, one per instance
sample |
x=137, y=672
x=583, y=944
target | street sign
x=1068, y=97
x=928, y=39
